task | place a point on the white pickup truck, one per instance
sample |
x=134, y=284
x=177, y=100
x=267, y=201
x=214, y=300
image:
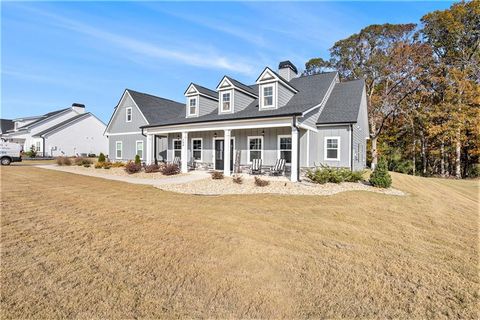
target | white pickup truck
x=10, y=152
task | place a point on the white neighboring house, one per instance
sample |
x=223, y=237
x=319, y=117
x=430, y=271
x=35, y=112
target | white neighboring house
x=66, y=132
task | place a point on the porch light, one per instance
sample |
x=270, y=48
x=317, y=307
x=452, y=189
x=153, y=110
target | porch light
x=263, y=132
x=215, y=134
x=178, y=136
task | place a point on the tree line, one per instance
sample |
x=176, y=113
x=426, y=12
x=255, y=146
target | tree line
x=423, y=88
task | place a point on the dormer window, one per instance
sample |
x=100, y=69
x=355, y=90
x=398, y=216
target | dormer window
x=128, y=115
x=267, y=96
x=226, y=102
x=192, y=106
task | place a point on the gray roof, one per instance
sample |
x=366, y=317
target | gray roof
x=5, y=124
x=63, y=123
x=206, y=91
x=242, y=86
x=344, y=103
x=156, y=109
x=311, y=91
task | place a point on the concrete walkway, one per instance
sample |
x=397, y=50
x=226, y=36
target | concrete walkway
x=191, y=176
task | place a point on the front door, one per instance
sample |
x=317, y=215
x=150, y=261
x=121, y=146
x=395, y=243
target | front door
x=220, y=154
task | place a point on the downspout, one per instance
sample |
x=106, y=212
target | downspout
x=143, y=134
x=294, y=124
x=43, y=138
x=351, y=147
x=155, y=149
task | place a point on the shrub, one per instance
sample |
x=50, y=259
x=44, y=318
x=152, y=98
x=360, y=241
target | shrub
x=107, y=165
x=118, y=164
x=170, y=169
x=217, y=175
x=87, y=165
x=132, y=167
x=101, y=157
x=98, y=165
x=152, y=168
x=326, y=174
x=63, y=161
x=137, y=159
x=79, y=161
x=380, y=177
x=261, y=183
x=237, y=179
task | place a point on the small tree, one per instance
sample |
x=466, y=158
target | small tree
x=33, y=152
x=380, y=176
x=101, y=158
x=137, y=159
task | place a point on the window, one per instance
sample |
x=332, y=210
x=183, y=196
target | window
x=197, y=149
x=38, y=145
x=192, y=106
x=129, y=114
x=255, y=148
x=139, y=148
x=332, y=146
x=285, y=148
x=268, y=96
x=118, y=149
x=226, y=102
x=177, y=148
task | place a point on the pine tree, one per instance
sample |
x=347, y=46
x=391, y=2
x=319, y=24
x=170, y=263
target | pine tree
x=380, y=176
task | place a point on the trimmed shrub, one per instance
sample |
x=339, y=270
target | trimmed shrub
x=101, y=157
x=82, y=161
x=107, y=165
x=217, y=175
x=118, y=164
x=98, y=165
x=137, y=159
x=326, y=174
x=63, y=161
x=261, y=183
x=152, y=168
x=132, y=167
x=380, y=177
x=170, y=169
x=87, y=165
x=237, y=179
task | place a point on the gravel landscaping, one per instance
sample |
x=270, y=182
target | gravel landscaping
x=119, y=172
x=226, y=186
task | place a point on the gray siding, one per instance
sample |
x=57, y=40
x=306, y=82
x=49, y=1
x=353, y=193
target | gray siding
x=310, y=118
x=360, y=136
x=129, y=147
x=241, y=100
x=207, y=106
x=118, y=124
x=284, y=95
x=317, y=145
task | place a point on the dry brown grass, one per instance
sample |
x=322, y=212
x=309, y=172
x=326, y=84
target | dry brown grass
x=77, y=246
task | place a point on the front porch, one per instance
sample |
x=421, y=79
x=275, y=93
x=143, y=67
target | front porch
x=205, y=148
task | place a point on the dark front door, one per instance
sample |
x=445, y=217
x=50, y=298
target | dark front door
x=220, y=154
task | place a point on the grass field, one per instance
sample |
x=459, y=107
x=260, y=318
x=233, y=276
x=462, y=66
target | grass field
x=76, y=246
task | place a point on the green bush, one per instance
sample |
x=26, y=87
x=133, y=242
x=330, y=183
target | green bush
x=326, y=174
x=380, y=177
x=87, y=165
x=137, y=159
x=101, y=157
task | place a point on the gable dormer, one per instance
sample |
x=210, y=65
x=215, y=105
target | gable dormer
x=274, y=91
x=233, y=96
x=199, y=101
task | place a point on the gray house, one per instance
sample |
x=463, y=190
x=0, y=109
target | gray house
x=306, y=120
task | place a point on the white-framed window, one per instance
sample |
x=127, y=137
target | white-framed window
x=177, y=148
x=255, y=148
x=267, y=96
x=226, y=101
x=285, y=148
x=139, y=148
x=38, y=146
x=118, y=149
x=192, y=106
x=128, y=114
x=332, y=148
x=197, y=149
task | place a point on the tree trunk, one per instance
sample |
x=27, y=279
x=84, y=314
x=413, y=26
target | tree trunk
x=458, y=152
x=374, y=153
x=424, y=154
x=442, y=159
x=414, y=147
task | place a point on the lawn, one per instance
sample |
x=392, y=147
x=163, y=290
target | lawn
x=77, y=246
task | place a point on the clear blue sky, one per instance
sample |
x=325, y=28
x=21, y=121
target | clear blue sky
x=54, y=54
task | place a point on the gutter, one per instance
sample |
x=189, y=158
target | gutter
x=143, y=134
x=43, y=138
x=294, y=124
x=351, y=147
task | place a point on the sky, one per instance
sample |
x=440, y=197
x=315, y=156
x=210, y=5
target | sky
x=56, y=53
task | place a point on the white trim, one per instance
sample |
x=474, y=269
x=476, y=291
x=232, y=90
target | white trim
x=126, y=114
x=117, y=107
x=213, y=150
x=220, y=101
x=325, y=149
x=173, y=147
x=136, y=148
x=304, y=126
x=197, y=102
x=201, y=149
x=279, y=137
x=232, y=86
x=274, y=77
x=274, y=105
x=195, y=92
x=249, y=161
x=121, y=149
x=308, y=149
x=122, y=133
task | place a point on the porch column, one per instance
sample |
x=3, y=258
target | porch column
x=184, y=152
x=294, y=167
x=149, y=151
x=226, y=158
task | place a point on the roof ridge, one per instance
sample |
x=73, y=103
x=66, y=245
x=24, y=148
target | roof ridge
x=151, y=95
